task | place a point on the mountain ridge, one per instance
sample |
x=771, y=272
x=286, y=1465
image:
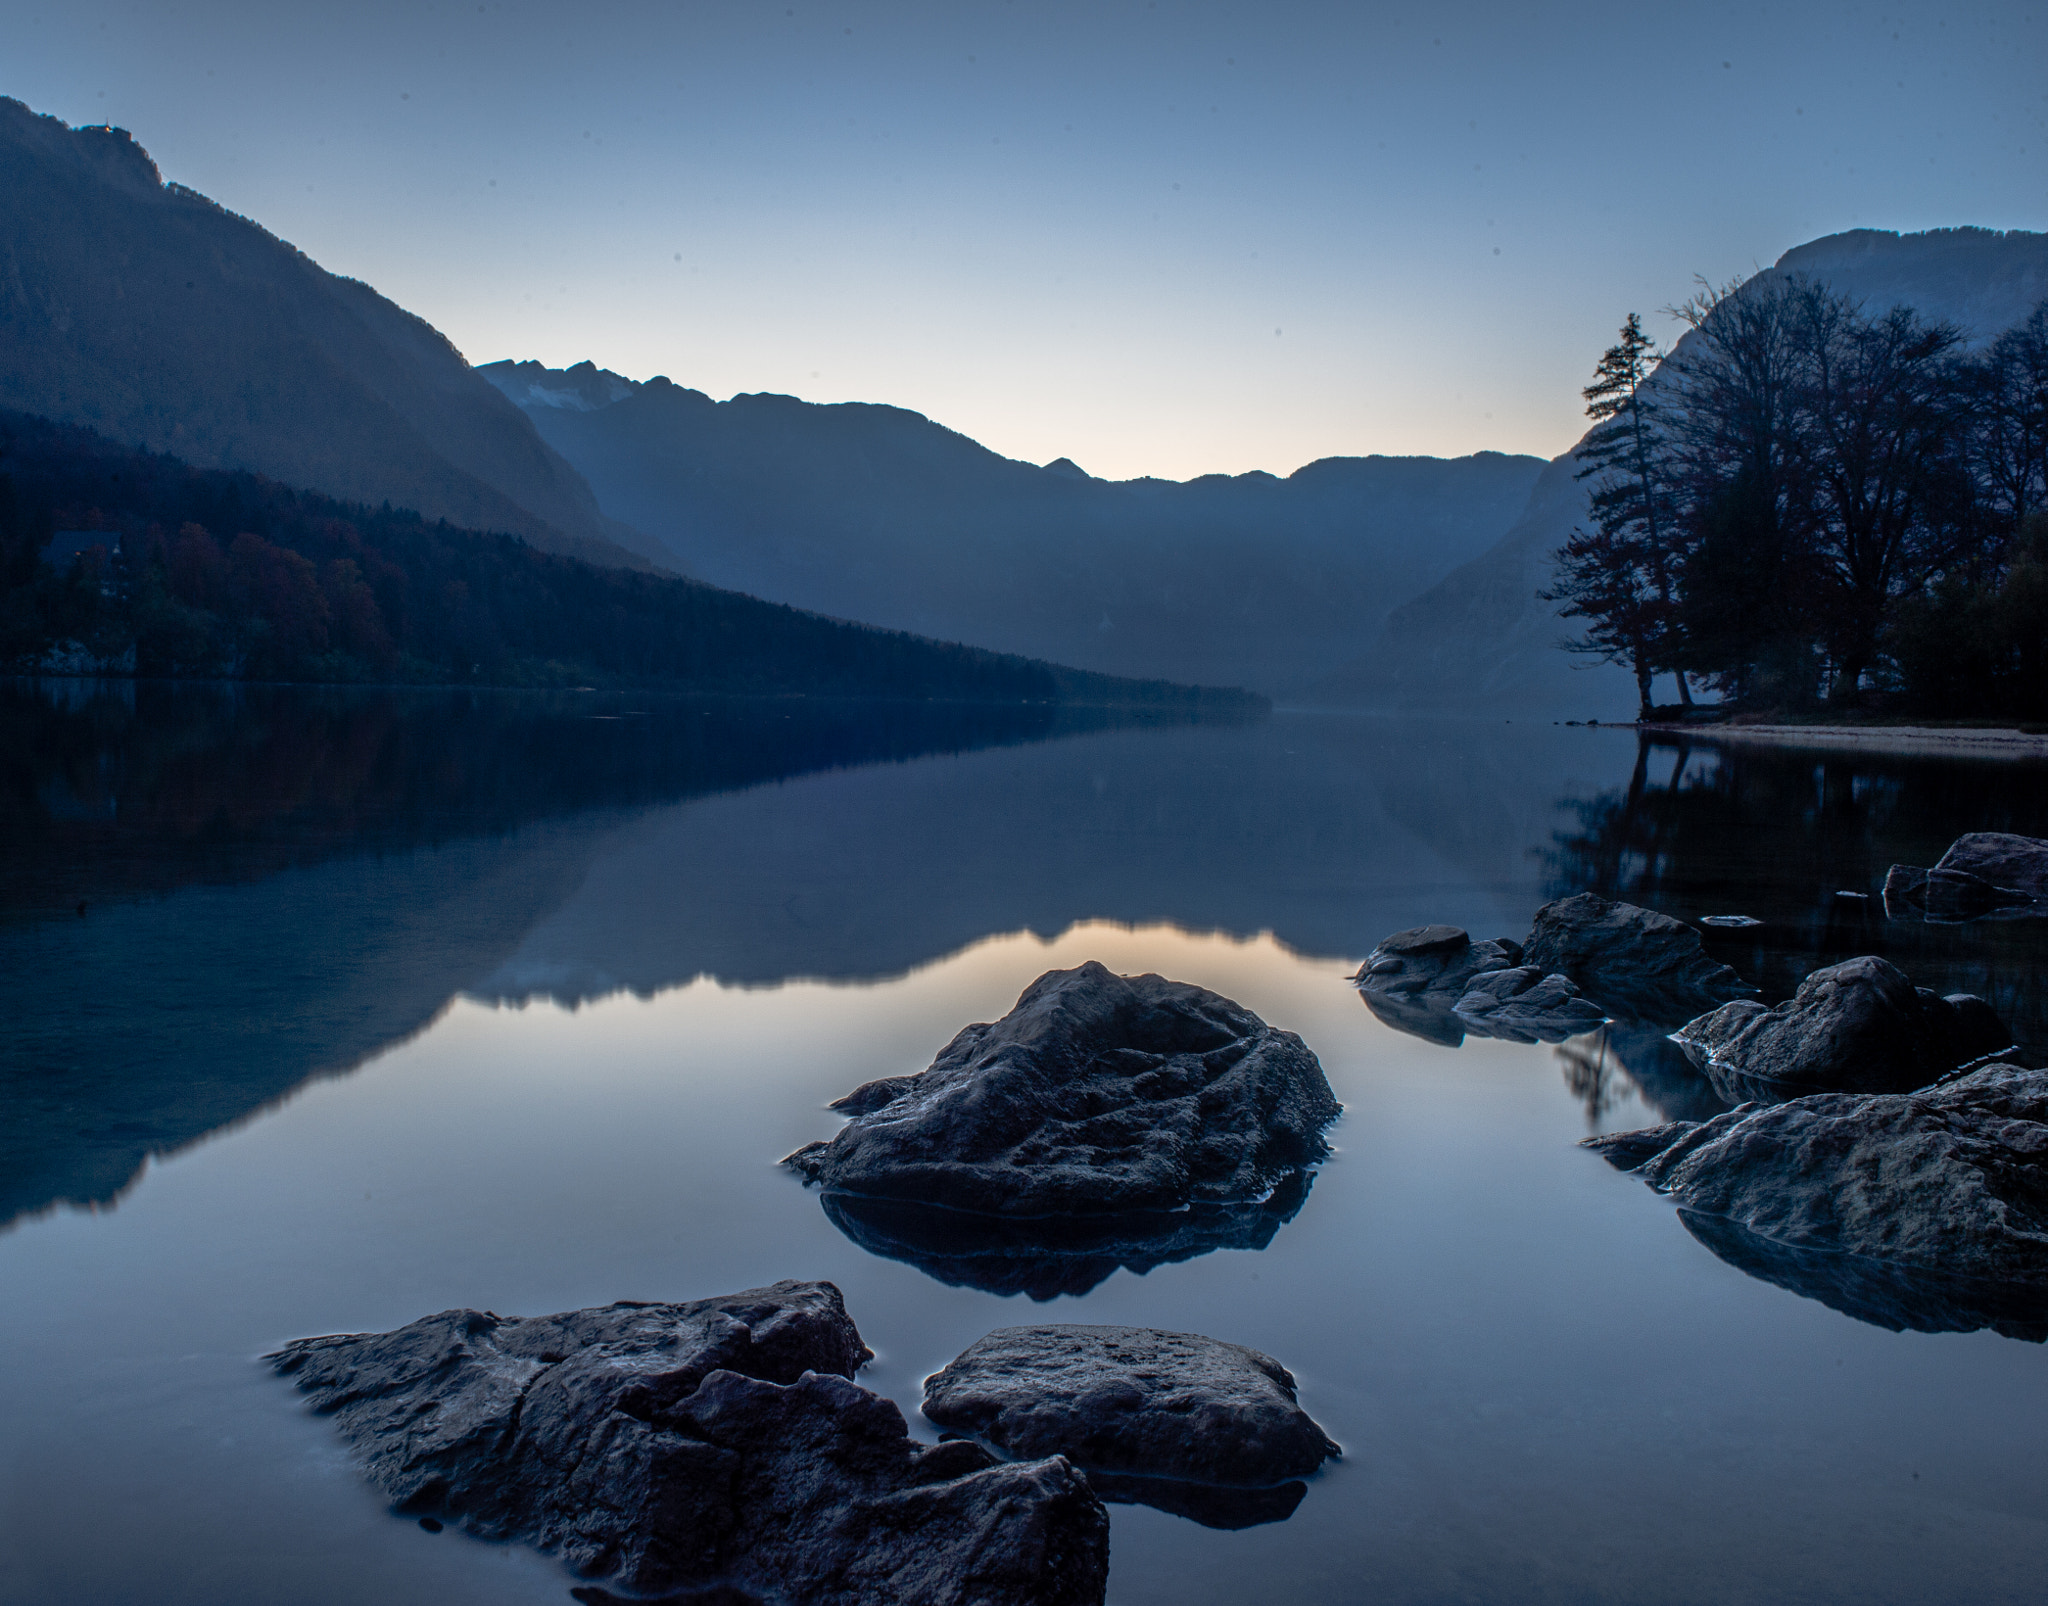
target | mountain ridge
x=881, y=513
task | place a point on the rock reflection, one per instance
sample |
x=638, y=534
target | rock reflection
x=1603, y=1068
x=1882, y=1293
x=1213, y=1505
x=1049, y=1256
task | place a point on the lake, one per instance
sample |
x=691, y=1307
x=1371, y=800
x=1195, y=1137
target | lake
x=327, y=1010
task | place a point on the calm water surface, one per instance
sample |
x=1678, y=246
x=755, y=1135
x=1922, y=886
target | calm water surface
x=380, y=1005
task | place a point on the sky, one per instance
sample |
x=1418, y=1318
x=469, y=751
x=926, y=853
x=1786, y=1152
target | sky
x=1156, y=237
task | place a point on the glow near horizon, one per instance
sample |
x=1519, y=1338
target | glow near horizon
x=1072, y=229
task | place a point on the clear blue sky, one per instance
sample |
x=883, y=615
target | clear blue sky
x=1155, y=236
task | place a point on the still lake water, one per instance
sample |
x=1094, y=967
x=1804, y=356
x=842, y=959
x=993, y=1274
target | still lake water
x=326, y=1011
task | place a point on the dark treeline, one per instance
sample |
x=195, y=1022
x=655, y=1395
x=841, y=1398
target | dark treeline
x=1810, y=502
x=231, y=575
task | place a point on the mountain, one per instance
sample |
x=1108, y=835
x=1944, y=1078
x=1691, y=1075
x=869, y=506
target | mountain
x=1480, y=638
x=144, y=310
x=878, y=513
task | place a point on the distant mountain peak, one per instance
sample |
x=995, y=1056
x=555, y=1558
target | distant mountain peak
x=581, y=389
x=1068, y=469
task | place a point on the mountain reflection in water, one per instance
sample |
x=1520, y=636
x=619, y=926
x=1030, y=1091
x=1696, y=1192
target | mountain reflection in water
x=211, y=893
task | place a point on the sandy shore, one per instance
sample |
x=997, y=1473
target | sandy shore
x=1949, y=742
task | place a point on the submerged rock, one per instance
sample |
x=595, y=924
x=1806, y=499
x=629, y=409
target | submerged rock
x=1047, y=1256
x=1415, y=979
x=1636, y=964
x=1525, y=1006
x=1097, y=1093
x=1857, y=1027
x=1984, y=875
x=714, y=1445
x=1950, y=1181
x=1139, y=1407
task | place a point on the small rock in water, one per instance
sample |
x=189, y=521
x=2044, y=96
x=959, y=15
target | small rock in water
x=1140, y=1405
x=719, y=1444
x=1636, y=964
x=1928, y=1209
x=1730, y=922
x=1415, y=979
x=431, y=1524
x=1523, y=1005
x=1097, y=1093
x=1857, y=1027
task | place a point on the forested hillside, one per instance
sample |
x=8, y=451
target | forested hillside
x=208, y=573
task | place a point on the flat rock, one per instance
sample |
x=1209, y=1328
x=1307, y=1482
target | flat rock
x=1414, y=980
x=1950, y=1181
x=1523, y=1005
x=1984, y=875
x=1045, y=1257
x=1131, y=1401
x=1636, y=964
x=713, y=1446
x=1857, y=1027
x=1097, y=1093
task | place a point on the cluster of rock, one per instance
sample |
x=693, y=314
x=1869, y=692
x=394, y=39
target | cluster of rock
x=718, y=1442
x=1587, y=960
x=1926, y=1209
x=722, y=1449
x=1985, y=875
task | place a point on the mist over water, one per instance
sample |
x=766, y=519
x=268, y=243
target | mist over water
x=384, y=1004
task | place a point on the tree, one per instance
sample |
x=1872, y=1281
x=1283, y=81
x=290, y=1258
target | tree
x=1617, y=576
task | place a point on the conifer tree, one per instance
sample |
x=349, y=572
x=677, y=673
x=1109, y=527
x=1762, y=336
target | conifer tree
x=1617, y=576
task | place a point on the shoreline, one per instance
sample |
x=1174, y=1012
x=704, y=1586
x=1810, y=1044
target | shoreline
x=1947, y=741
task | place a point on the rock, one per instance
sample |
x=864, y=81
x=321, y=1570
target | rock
x=718, y=1445
x=1047, y=1256
x=1984, y=875
x=1636, y=964
x=1730, y=922
x=1139, y=1405
x=1525, y=1006
x=1950, y=1182
x=1857, y=1027
x=1414, y=980
x=1097, y=1093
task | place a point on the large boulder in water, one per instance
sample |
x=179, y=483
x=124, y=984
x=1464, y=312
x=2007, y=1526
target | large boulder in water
x=1138, y=1407
x=1857, y=1027
x=1097, y=1093
x=1635, y=963
x=1414, y=979
x=1984, y=875
x=1949, y=1184
x=719, y=1443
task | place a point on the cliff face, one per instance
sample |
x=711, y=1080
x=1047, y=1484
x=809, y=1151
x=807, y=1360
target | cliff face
x=153, y=315
x=1479, y=639
x=878, y=513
